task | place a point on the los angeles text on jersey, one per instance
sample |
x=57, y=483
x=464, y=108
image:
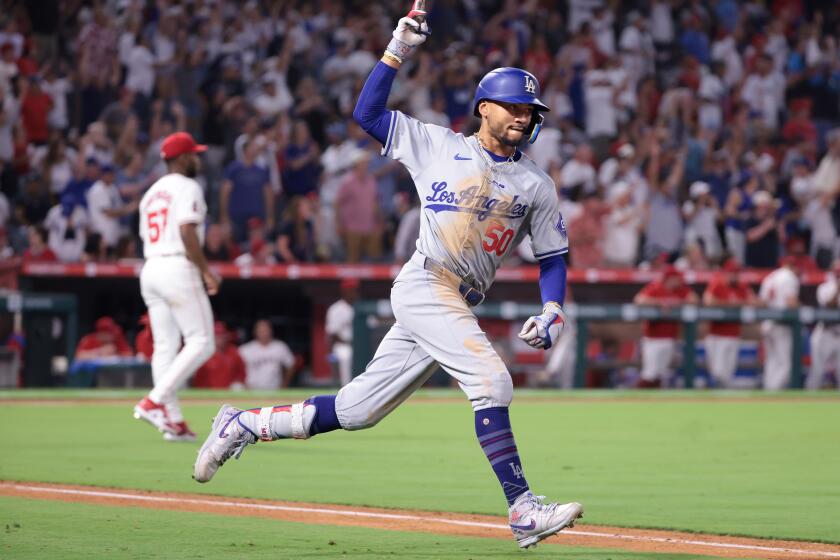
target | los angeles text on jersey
x=468, y=200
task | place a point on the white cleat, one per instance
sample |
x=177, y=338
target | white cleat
x=531, y=520
x=227, y=439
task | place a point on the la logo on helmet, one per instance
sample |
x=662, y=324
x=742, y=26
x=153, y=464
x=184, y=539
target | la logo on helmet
x=530, y=86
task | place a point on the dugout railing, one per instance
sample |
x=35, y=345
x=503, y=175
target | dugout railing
x=584, y=314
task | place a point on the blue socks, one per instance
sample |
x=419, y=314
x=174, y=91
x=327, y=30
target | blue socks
x=492, y=427
x=325, y=418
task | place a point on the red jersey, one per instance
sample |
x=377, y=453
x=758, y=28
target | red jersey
x=144, y=343
x=658, y=292
x=224, y=368
x=727, y=294
x=34, y=110
x=46, y=255
x=118, y=344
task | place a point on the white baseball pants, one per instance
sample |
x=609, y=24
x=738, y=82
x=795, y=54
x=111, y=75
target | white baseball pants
x=435, y=326
x=778, y=345
x=825, y=355
x=657, y=354
x=178, y=307
x=343, y=353
x=722, y=357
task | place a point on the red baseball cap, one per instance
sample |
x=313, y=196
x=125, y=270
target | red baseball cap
x=178, y=144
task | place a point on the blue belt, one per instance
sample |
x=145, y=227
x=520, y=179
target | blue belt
x=472, y=296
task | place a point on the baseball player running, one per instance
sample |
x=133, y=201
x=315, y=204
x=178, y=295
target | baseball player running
x=173, y=283
x=480, y=195
x=825, y=340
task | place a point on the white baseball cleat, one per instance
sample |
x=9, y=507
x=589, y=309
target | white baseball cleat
x=531, y=520
x=227, y=438
x=155, y=414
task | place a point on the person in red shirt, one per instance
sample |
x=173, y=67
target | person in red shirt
x=34, y=110
x=225, y=368
x=659, y=341
x=38, y=251
x=724, y=338
x=106, y=341
x=144, y=343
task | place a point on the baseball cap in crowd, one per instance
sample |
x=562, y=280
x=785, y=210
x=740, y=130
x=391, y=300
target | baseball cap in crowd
x=698, y=189
x=178, y=144
x=762, y=197
x=106, y=325
x=626, y=151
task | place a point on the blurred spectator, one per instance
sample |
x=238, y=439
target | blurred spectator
x=664, y=231
x=95, y=249
x=67, y=226
x=825, y=339
x=296, y=241
x=57, y=164
x=300, y=176
x=246, y=193
x=34, y=204
x=779, y=290
x=269, y=364
x=763, y=232
x=106, y=207
x=225, y=368
x=739, y=209
x=578, y=175
x=659, y=343
x=623, y=226
x=81, y=183
x=339, y=329
x=218, y=246
x=701, y=216
x=35, y=109
x=588, y=250
x=763, y=91
x=8, y=117
x=359, y=218
x=58, y=88
x=38, y=251
x=106, y=341
x=723, y=341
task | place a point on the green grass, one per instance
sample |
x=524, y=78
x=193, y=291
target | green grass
x=729, y=466
x=39, y=529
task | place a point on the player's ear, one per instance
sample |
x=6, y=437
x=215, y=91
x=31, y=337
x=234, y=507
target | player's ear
x=483, y=108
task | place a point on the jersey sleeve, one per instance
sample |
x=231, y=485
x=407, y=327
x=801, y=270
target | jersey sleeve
x=191, y=208
x=548, y=229
x=413, y=143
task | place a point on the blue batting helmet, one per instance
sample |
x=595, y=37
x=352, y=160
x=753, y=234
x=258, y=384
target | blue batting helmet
x=512, y=85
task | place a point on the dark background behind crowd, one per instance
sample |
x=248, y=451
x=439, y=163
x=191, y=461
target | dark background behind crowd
x=684, y=131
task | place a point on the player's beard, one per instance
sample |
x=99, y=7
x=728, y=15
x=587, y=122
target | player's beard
x=501, y=134
x=191, y=168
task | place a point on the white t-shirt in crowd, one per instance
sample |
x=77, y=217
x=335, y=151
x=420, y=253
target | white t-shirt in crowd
x=339, y=320
x=67, y=236
x=661, y=22
x=58, y=90
x=621, y=241
x=726, y=51
x=600, y=111
x=264, y=363
x=765, y=95
x=778, y=287
x=141, y=70
x=102, y=197
x=174, y=200
x=576, y=173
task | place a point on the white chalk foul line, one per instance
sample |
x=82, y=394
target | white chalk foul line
x=404, y=517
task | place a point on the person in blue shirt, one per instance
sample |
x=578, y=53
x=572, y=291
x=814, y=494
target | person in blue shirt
x=246, y=193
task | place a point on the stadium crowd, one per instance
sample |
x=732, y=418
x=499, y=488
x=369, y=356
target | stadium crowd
x=680, y=130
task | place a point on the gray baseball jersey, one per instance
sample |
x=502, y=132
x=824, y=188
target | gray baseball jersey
x=474, y=210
